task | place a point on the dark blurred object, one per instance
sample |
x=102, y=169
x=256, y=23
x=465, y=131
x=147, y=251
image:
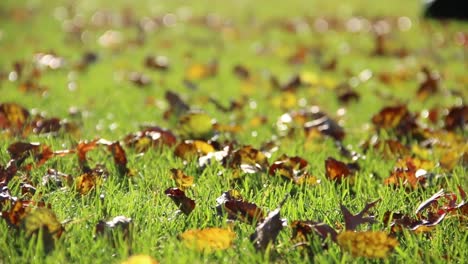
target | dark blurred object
x=446, y=9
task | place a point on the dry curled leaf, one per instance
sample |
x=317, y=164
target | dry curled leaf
x=208, y=239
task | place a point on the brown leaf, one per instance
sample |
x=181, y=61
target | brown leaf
x=336, y=170
x=429, y=86
x=89, y=180
x=13, y=116
x=120, y=158
x=159, y=63
x=185, y=204
x=190, y=149
x=310, y=120
x=409, y=172
x=293, y=168
x=177, y=106
x=304, y=231
x=150, y=137
x=241, y=72
x=397, y=118
x=139, y=79
x=267, y=231
x=237, y=208
x=456, y=118
x=353, y=221
x=248, y=160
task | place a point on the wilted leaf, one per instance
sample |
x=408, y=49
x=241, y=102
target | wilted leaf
x=267, y=231
x=389, y=148
x=369, y=244
x=185, y=204
x=353, y=221
x=182, y=180
x=208, y=239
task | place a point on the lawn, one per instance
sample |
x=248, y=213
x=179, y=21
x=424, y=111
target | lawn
x=232, y=132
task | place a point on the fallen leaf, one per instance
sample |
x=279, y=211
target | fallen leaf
x=267, y=231
x=336, y=170
x=182, y=180
x=369, y=244
x=208, y=239
x=140, y=259
x=196, y=125
x=185, y=204
x=189, y=149
x=294, y=169
x=353, y=221
x=237, y=208
x=248, y=160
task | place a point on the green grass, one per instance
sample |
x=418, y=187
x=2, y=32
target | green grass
x=112, y=107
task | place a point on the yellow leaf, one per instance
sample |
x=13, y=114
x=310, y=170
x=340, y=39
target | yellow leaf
x=182, y=180
x=369, y=244
x=209, y=239
x=140, y=259
x=196, y=125
x=42, y=218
